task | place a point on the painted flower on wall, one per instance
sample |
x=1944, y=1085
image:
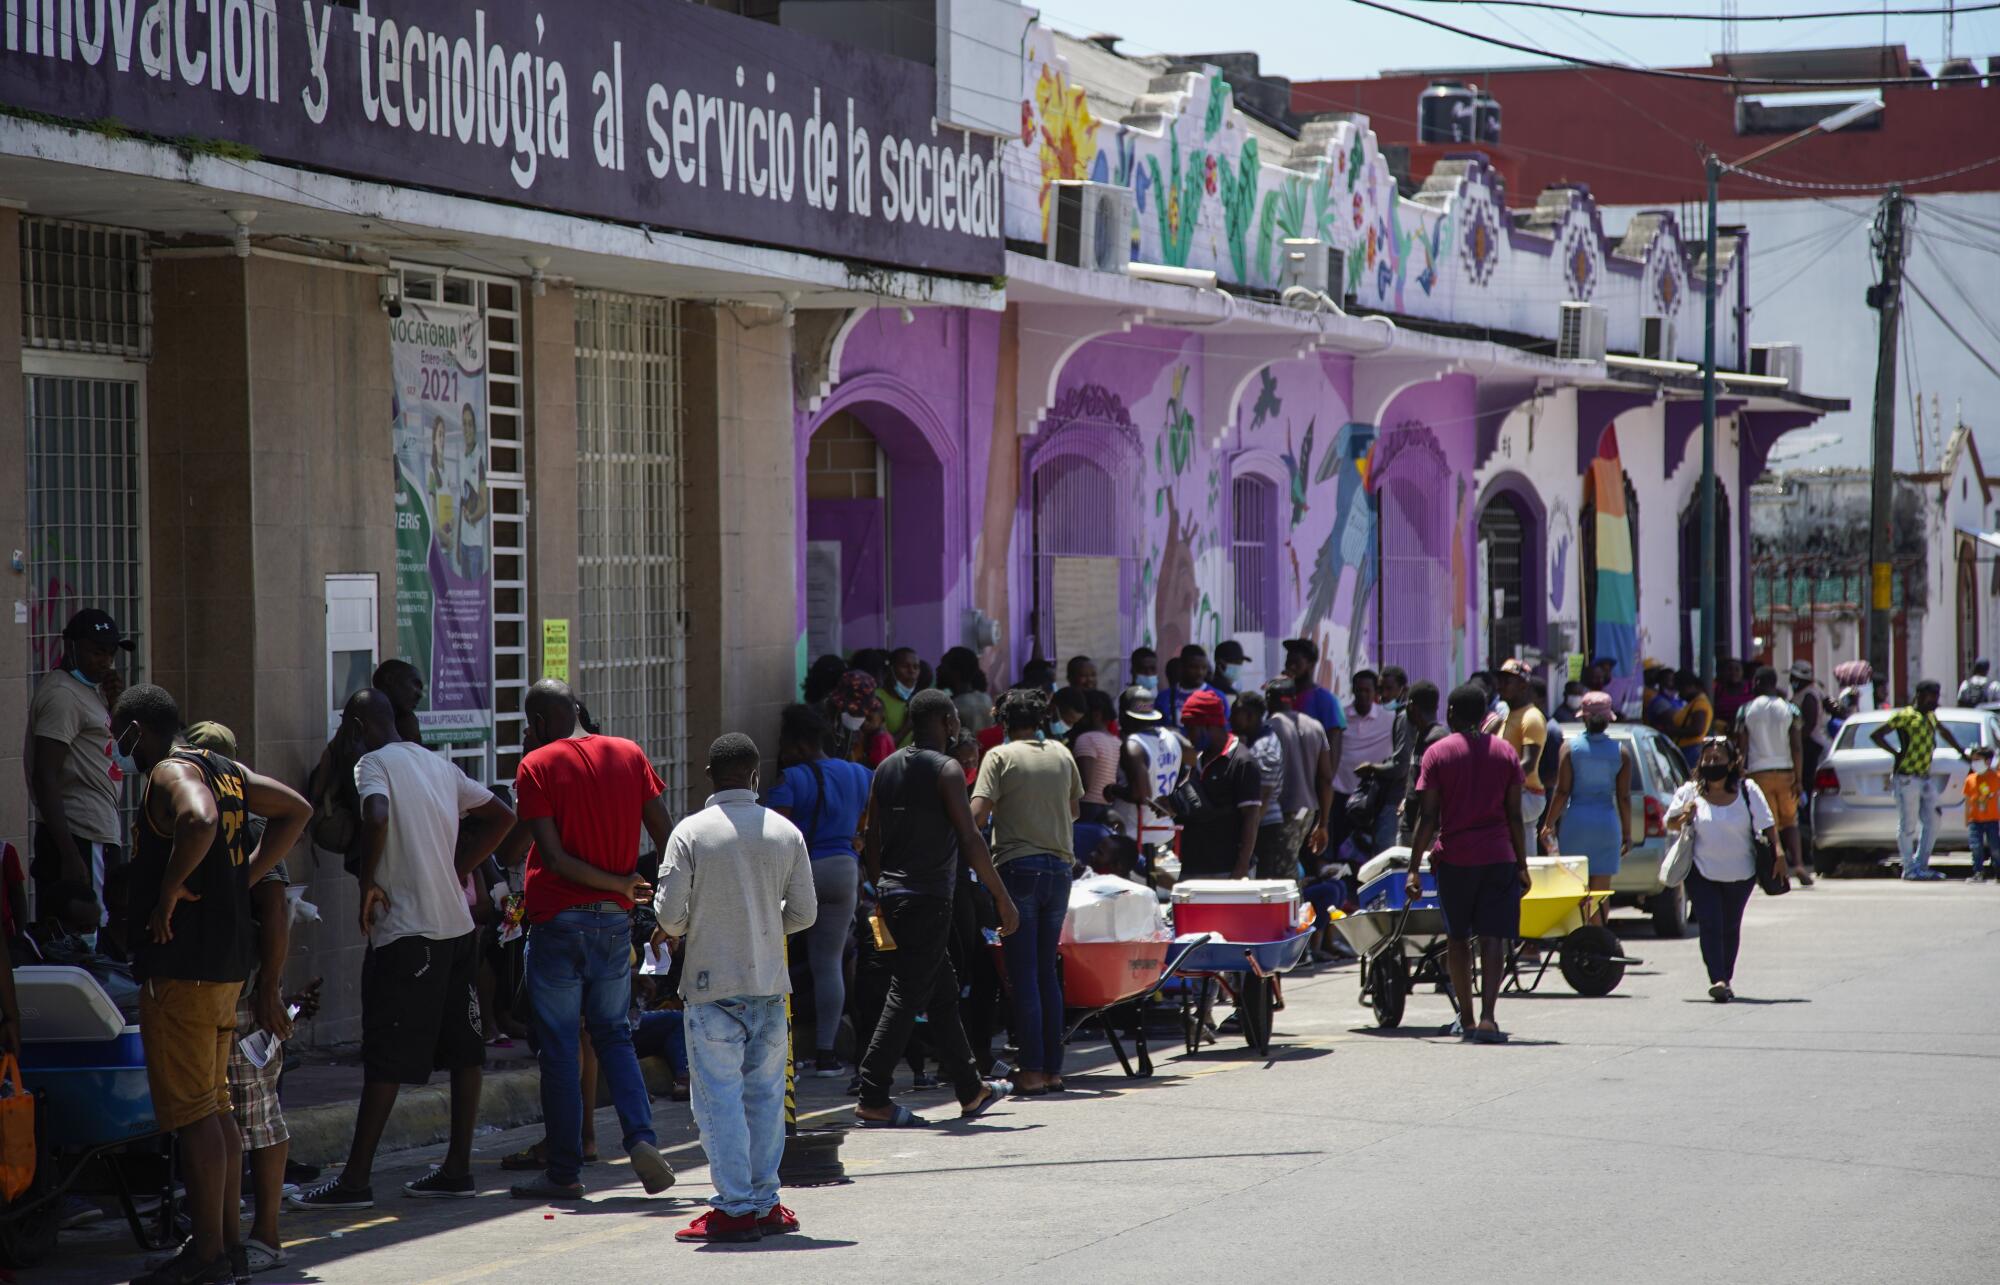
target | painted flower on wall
x=1027, y=123
x=1208, y=174
x=1360, y=215
x=1068, y=133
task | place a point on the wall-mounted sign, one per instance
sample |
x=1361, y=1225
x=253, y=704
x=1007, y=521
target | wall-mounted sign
x=673, y=116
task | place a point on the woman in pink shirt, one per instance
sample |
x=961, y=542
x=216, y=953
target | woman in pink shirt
x=1085, y=716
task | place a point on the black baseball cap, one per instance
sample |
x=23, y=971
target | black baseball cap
x=1230, y=651
x=92, y=625
x=1303, y=647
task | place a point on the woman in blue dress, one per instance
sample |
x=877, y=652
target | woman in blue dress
x=1590, y=811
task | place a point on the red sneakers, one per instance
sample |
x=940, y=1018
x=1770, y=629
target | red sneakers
x=778, y=1221
x=717, y=1227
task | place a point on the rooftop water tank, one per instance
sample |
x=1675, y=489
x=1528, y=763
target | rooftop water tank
x=1485, y=117
x=1445, y=113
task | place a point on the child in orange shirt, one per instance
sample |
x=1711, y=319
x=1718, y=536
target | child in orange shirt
x=1982, y=812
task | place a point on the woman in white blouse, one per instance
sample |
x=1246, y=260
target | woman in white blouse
x=1726, y=810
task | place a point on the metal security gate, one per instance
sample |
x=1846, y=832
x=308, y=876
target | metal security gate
x=1079, y=567
x=1415, y=586
x=1503, y=588
x=1253, y=554
x=630, y=643
x=498, y=300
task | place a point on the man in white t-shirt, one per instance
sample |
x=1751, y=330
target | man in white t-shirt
x=1370, y=740
x=419, y=998
x=1767, y=728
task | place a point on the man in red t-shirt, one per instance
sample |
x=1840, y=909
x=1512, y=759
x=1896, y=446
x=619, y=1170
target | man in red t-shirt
x=1469, y=822
x=584, y=799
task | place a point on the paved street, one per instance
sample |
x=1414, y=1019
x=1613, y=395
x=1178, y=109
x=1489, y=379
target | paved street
x=1835, y=1125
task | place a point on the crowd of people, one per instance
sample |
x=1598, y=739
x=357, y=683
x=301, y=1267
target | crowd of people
x=903, y=876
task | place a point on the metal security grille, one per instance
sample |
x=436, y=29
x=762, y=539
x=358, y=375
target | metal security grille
x=86, y=289
x=1415, y=586
x=1502, y=541
x=499, y=302
x=85, y=518
x=1079, y=565
x=629, y=649
x=1254, y=553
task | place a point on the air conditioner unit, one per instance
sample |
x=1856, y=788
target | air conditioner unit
x=1580, y=333
x=1780, y=360
x=1656, y=338
x=1090, y=225
x=1313, y=264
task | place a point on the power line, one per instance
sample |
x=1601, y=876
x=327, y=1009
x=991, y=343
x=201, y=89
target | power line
x=1801, y=82
x=1883, y=186
x=1709, y=17
x=1945, y=321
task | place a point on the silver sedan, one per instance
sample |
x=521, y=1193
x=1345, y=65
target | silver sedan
x=1853, y=808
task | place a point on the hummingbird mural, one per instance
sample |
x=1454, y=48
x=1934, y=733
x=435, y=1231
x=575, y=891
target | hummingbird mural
x=1351, y=541
x=1299, y=466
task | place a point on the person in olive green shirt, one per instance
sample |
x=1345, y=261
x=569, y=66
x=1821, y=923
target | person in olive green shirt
x=900, y=681
x=1032, y=791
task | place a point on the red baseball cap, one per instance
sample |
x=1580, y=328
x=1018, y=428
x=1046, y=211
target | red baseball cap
x=1204, y=708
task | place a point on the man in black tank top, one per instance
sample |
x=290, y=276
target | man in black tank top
x=192, y=943
x=920, y=823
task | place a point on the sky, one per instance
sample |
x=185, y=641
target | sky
x=1325, y=39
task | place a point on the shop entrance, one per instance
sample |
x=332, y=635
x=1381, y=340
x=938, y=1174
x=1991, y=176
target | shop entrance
x=847, y=539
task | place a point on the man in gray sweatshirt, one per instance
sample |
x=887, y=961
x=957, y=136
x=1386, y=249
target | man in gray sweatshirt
x=734, y=881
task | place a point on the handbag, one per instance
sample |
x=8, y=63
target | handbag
x=1679, y=859
x=1772, y=876
x=17, y=1131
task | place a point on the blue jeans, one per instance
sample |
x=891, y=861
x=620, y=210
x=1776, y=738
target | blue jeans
x=736, y=1063
x=1040, y=889
x=1718, y=914
x=662, y=1032
x=1985, y=839
x=1916, y=820
x=579, y=971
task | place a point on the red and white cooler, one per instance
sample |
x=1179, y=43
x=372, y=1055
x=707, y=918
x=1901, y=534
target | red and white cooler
x=1237, y=909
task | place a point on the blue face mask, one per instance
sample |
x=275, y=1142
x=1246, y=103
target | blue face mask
x=904, y=691
x=1231, y=673
x=1151, y=682
x=78, y=675
x=1058, y=728
x=88, y=939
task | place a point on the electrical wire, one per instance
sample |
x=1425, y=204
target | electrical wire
x=1957, y=287
x=1800, y=82
x=1945, y=321
x=1775, y=181
x=1709, y=17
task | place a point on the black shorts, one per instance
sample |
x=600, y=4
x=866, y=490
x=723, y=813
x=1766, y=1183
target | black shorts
x=1276, y=859
x=420, y=1009
x=1480, y=901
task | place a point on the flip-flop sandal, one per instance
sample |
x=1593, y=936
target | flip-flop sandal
x=900, y=1117
x=1482, y=1036
x=1042, y=1092
x=995, y=1091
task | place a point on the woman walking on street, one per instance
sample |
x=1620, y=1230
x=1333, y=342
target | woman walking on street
x=1590, y=810
x=825, y=798
x=1728, y=814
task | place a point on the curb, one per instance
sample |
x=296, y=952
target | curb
x=422, y=1114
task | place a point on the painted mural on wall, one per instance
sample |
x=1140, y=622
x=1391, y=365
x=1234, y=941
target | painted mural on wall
x=1209, y=193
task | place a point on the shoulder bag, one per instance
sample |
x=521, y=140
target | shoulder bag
x=1765, y=858
x=1679, y=859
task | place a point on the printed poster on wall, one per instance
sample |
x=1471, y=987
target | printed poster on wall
x=444, y=577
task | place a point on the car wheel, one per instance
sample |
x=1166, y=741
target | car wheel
x=1670, y=913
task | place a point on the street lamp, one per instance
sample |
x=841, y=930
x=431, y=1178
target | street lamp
x=1705, y=643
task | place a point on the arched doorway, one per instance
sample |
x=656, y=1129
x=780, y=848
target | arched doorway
x=1253, y=561
x=879, y=548
x=1690, y=578
x=1512, y=535
x=847, y=538
x=1078, y=562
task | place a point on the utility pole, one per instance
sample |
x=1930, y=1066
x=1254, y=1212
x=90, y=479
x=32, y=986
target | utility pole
x=1887, y=300
x=1704, y=642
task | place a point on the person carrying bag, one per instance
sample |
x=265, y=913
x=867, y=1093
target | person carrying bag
x=1723, y=825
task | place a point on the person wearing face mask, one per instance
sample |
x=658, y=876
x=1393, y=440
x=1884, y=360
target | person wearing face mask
x=1392, y=688
x=1144, y=666
x=1726, y=811
x=75, y=770
x=900, y=681
x=1219, y=836
x=1191, y=677
x=1229, y=661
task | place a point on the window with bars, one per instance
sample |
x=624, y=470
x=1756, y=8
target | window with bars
x=85, y=288
x=1254, y=553
x=629, y=648
x=85, y=529
x=498, y=300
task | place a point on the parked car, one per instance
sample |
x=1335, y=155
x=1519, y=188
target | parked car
x=1853, y=808
x=1658, y=771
